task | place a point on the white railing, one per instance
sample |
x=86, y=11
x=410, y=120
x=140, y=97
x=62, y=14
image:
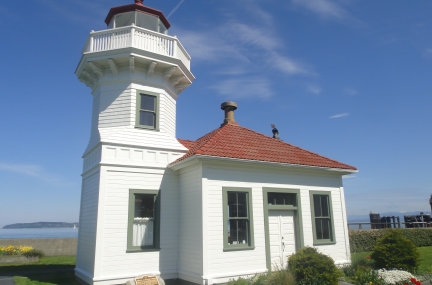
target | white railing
x=133, y=36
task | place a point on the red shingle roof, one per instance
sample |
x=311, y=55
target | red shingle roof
x=233, y=141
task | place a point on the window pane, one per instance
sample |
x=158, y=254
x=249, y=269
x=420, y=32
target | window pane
x=242, y=207
x=318, y=225
x=232, y=204
x=238, y=232
x=143, y=223
x=144, y=206
x=324, y=206
x=147, y=119
x=148, y=103
x=281, y=199
x=317, y=205
x=326, y=228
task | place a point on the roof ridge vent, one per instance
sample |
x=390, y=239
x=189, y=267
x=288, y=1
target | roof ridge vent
x=229, y=107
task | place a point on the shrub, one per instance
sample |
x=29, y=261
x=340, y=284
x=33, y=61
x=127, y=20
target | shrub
x=279, y=277
x=361, y=241
x=394, y=251
x=34, y=253
x=239, y=281
x=311, y=267
x=362, y=261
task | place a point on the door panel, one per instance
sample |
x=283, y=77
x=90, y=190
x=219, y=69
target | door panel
x=281, y=236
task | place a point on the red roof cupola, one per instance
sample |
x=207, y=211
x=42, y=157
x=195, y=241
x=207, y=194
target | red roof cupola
x=139, y=15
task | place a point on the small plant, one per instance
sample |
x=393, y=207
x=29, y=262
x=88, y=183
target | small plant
x=367, y=276
x=279, y=277
x=395, y=251
x=239, y=281
x=395, y=277
x=356, y=262
x=15, y=250
x=312, y=267
x=34, y=253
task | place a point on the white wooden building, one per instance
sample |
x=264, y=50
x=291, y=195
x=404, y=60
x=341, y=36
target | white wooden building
x=229, y=204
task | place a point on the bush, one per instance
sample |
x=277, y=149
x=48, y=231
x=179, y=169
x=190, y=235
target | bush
x=279, y=277
x=361, y=261
x=15, y=250
x=394, y=251
x=34, y=253
x=361, y=241
x=311, y=267
x=240, y=281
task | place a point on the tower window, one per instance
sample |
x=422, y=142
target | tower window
x=147, y=111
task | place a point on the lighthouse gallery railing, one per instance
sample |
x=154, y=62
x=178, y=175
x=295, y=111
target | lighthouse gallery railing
x=137, y=37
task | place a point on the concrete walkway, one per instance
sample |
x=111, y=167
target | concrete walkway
x=6, y=280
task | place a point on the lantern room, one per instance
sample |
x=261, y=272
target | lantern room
x=138, y=15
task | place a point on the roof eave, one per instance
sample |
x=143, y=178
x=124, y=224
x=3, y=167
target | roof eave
x=188, y=161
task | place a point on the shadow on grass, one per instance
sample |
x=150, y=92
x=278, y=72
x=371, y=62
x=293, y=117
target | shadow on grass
x=46, y=279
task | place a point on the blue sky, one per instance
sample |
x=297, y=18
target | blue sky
x=351, y=80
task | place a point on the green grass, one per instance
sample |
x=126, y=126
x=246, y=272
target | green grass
x=425, y=258
x=61, y=271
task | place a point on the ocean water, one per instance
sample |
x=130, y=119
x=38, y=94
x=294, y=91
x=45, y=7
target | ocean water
x=39, y=233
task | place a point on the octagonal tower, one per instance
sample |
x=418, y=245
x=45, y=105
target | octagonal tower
x=135, y=71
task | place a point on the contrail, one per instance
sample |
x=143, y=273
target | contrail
x=175, y=9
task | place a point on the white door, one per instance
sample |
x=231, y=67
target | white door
x=282, y=237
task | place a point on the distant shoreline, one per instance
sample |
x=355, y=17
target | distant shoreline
x=41, y=225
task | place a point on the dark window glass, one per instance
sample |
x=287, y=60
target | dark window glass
x=147, y=119
x=322, y=217
x=144, y=206
x=281, y=199
x=238, y=218
x=148, y=103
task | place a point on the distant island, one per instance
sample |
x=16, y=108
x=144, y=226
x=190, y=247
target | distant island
x=40, y=225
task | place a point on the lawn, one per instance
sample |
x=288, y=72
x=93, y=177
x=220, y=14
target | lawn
x=49, y=270
x=425, y=258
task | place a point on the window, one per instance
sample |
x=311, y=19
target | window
x=238, y=219
x=147, y=110
x=275, y=198
x=322, y=217
x=143, y=224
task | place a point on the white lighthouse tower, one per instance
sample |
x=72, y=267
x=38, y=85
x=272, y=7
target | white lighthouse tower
x=135, y=71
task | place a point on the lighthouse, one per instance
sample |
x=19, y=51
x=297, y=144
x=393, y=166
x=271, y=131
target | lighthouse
x=135, y=71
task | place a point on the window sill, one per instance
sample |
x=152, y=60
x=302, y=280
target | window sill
x=146, y=128
x=142, y=249
x=238, y=248
x=324, y=242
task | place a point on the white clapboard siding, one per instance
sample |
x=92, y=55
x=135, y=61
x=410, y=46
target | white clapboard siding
x=222, y=263
x=190, y=263
x=115, y=261
x=88, y=223
x=114, y=115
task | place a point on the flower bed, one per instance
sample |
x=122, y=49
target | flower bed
x=19, y=254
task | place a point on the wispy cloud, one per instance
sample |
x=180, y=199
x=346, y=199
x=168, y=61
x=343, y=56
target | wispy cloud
x=339, y=116
x=244, y=87
x=249, y=45
x=327, y=9
x=314, y=89
x=428, y=53
x=32, y=170
x=351, y=91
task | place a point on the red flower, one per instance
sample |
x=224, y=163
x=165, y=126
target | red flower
x=413, y=280
x=406, y=284
x=368, y=257
x=418, y=283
